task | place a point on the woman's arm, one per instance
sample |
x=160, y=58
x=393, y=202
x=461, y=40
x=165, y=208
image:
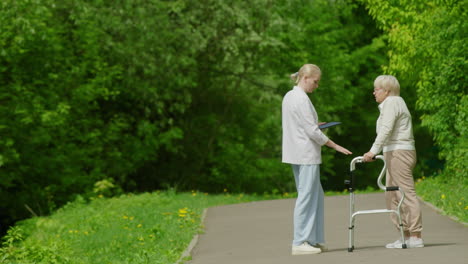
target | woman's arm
x=308, y=122
x=388, y=119
x=387, y=124
x=337, y=147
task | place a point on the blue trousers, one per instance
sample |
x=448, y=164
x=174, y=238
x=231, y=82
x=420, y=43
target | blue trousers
x=309, y=209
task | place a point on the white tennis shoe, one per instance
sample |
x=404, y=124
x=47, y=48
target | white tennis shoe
x=304, y=249
x=412, y=242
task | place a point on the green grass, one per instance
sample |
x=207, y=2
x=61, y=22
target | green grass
x=146, y=228
x=449, y=194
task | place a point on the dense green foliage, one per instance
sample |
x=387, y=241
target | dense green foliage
x=427, y=48
x=105, y=97
x=111, y=96
x=86, y=95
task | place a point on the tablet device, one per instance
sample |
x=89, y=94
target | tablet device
x=329, y=124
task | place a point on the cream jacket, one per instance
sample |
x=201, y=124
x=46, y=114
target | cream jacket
x=394, y=127
x=302, y=139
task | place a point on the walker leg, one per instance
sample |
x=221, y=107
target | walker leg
x=351, y=235
x=402, y=233
x=351, y=238
x=351, y=224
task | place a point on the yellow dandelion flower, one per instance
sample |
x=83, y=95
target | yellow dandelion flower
x=86, y=233
x=466, y=207
x=225, y=190
x=100, y=196
x=194, y=194
x=183, y=210
x=151, y=236
x=70, y=231
x=459, y=203
x=131, y=218
x=182, y=215
x=141, y=239
x=442, y=196
x=125, y=217
x=139, y=225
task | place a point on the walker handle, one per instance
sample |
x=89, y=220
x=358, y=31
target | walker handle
x=360, y=159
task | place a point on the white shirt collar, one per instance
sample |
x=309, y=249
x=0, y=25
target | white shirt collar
x=382, y=103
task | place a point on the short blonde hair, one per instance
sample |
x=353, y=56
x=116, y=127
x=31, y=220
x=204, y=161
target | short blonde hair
x=306, y=70
x=388, y=83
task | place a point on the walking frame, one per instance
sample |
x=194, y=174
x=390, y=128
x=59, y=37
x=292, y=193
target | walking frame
x=352, y=214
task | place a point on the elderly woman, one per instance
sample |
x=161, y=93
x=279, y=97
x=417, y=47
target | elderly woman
x=395, y=139
x=302, y=141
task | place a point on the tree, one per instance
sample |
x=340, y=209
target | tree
x=427, y=48
x=89, y=91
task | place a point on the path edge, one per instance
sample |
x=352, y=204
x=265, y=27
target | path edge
x=193, y=243
x=441, y=212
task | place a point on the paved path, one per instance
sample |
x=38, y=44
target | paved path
x=261, y=232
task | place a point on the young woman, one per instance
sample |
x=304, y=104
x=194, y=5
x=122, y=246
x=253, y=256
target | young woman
x=302, y=141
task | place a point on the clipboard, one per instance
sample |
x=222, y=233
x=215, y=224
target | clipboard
x=329, y=124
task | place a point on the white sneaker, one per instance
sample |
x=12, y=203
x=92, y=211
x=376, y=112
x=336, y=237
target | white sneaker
x=304, y=249
x=414, y=242
x=396, y=244
x=322, y=247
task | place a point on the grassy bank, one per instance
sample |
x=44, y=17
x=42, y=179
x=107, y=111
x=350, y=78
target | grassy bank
x=449, y=194
x=147, y=228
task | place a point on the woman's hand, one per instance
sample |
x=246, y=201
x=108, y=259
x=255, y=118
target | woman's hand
x=368, y=157
x=337, y=147
x=342, y=150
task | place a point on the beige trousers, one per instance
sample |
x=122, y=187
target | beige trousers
x=400, y=165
